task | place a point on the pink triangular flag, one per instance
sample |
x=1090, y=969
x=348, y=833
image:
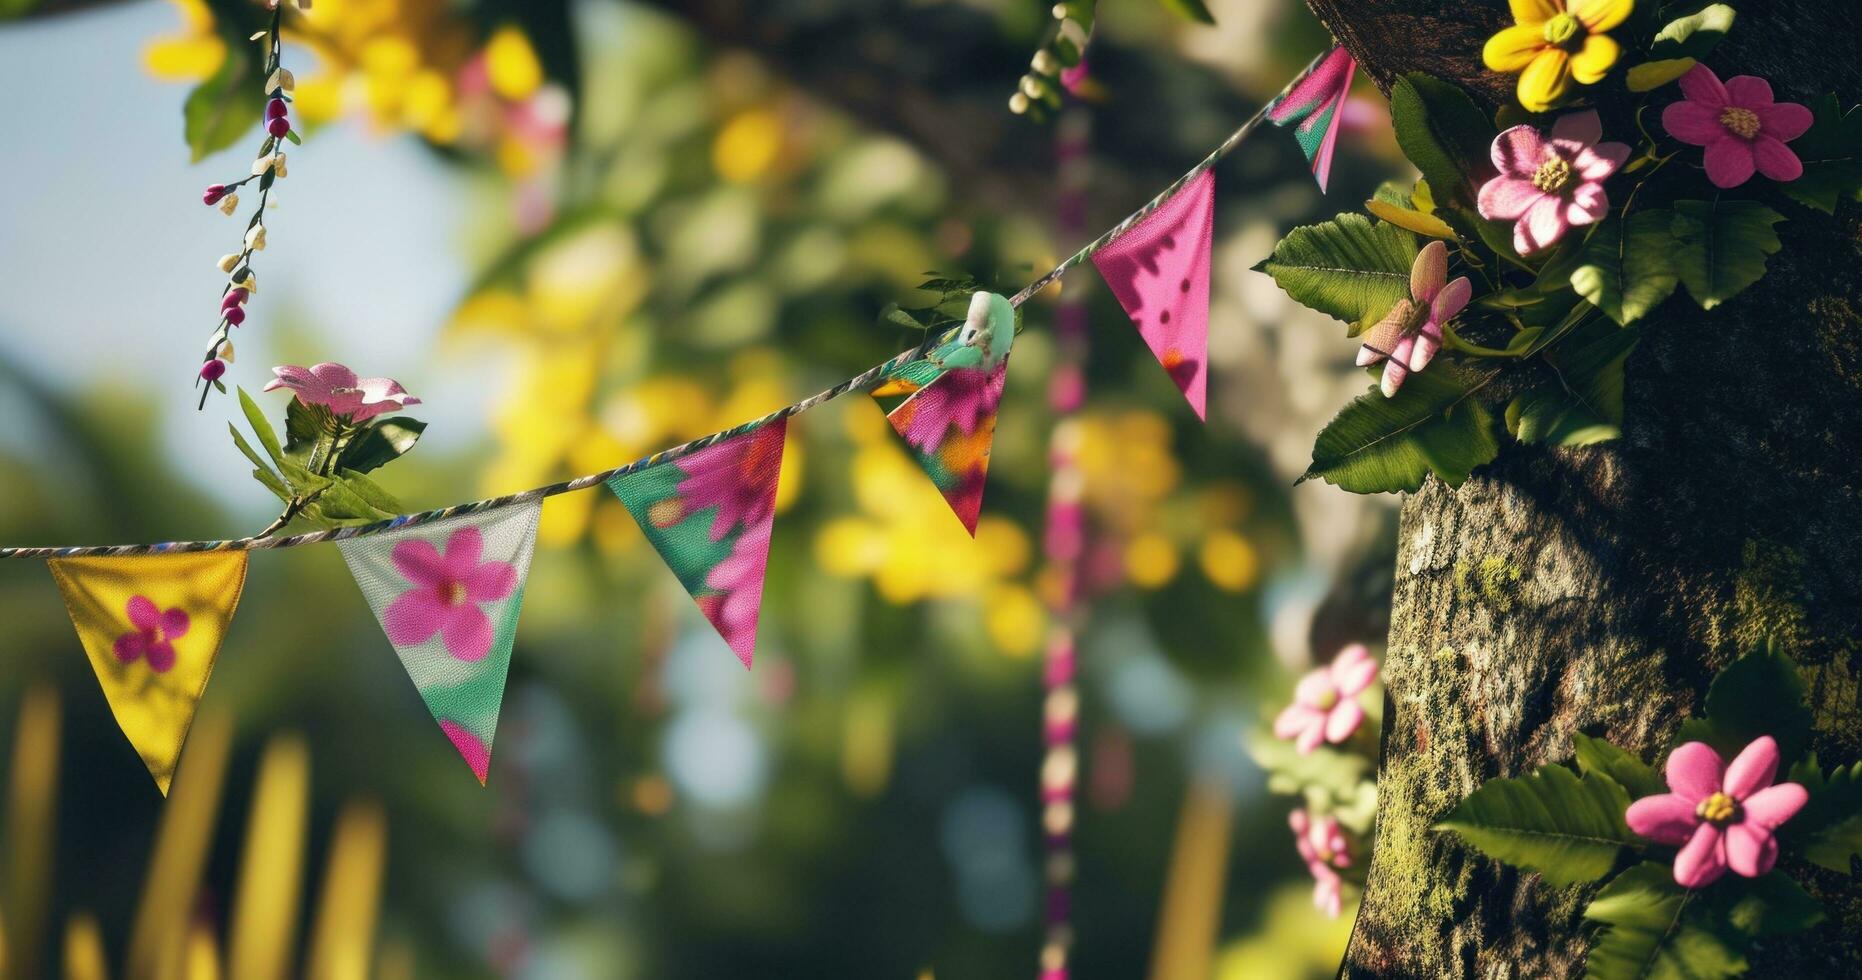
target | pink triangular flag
x=1159, y=270
x=710, y=515
x=1316, y=101
x=949, y=426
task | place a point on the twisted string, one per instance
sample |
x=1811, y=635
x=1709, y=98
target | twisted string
x=859, y=382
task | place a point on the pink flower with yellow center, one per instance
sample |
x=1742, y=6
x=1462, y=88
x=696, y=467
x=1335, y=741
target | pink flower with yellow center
x=1743, y=129
x=1721, y=816
x=1325, y=704
x=1548, y=186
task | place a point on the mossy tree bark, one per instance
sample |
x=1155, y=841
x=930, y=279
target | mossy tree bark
x=1599, y=589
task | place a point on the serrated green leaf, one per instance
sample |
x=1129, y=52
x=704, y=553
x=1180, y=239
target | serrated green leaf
x=1655, y=930
x=383, y=441
x=1445, y=135
x=1191, y=9
x=1583, y=402
x=1568, y=828
x=1433, y=424
x=1598, y=757
x=1347, y=268
x=261, y=427
x=1832, y=154
x=220, y=110
x=1761, y=693
x=1627, y=268
x=1694, y=35
x=1721, y=246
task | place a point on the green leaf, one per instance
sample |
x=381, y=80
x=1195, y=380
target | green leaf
x=260, y=471
x=1761, y=693
x=338, y=502
x=1567, y=828
x=1583, y=403
x=1445, y=135
x=1769, y=905
x=1627, y=268
x=303, y=482
x=221, y=109
x=371, y=492
x=1722, y=246
x=1651, y=75
x=382, y=442
x=1598, y=757
x=1654, y=928
x=1832, y=153
x=261, y=427
x=1829, y=828
x=1433, y=424
x=1694, y=35
x=304, y=426
x=1347, y=268
x=1191, y=9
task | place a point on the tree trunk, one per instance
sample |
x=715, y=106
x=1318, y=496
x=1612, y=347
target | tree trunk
x=1599, y=589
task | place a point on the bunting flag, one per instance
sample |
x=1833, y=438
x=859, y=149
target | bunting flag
x=1159, y=270
x=710, y=515
x=152, y=626
x=1317, y=102
x=949, y=426
x=447, y=593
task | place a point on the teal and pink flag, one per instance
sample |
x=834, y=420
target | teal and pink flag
x=1315, y=105
x=710, y=515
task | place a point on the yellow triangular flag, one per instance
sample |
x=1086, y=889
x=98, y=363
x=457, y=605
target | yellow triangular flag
x=152, y=625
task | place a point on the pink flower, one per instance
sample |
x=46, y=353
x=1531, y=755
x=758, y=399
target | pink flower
x=1548, y=186
x=152, y=634
x=1411, y=332
x=1322, y=845
x=737, y=476
x=737, y=590
x=1739, y=124
x=959, y=399
x=337, y=388
x=476, y=754
x=1325, y=704
x=446, y=594
x=1720, y=816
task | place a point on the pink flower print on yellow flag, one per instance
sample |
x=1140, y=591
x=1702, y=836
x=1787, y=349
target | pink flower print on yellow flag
x=152, y=634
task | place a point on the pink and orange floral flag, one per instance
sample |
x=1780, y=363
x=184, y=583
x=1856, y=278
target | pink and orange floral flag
x=710, y=516
x=1159, y=270
x=949, y=425
x=152, y=625
x=448, y=593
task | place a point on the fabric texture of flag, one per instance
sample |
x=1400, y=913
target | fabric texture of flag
x=710, y=516
x=1159, y=270
x=447, y=594
x=949, y=426
x=152, y=626
x=1317, y=103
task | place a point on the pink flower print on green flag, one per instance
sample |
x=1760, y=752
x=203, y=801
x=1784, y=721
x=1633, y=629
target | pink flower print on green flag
x=710, y=516
x=1159, y=270
x=949, y=426
x=448, y=595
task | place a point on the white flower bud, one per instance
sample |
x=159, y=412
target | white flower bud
x=229, y=262
x=1018, y=103
x=278, y=164
x=255, y=238
x=1073, y=31
x=1031, y=86
x=250, y=283
x=229, y=204
x=281, y=80
x=1060, y=11
x=1045, y=62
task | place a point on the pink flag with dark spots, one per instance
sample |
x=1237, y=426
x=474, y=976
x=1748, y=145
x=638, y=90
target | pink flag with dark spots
x=1159, y=270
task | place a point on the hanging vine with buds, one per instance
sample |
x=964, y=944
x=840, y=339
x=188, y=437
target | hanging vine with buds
x=267, y=169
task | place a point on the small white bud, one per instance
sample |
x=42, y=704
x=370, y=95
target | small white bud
x=1060, y=11
x=1073, y=31
x=255, y=238
x=1018, y=103
x=226, y=352
x=1031, y=86
x=229, y=204
x=228, y=262
x=1045, y=62
x=281, y=80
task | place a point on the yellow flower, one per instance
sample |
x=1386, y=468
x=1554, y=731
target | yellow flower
x=1556, y=42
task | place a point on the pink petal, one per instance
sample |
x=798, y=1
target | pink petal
x=1701, y=85
x=1785, y=121
x=129, y=647
x=1748, y=91
x=1518, y=151
x=1695, y=123
x=1703, y=859
x=419, y=562
x=491, y=581
x=1384, y=335
x=161, y=656
x=1583, y=128
x=1428, y=272
x=1775, y=160
x=290, y=376
x=1353, y=670
x=1343, y=720
x=462, y=551
x=1314, y=688
x=1506, y=198
x=334, y=375
x=1541, y=226
x=1752, y=769
x=1600, y=161
x=1451, y=300
x=1428, y=343
x=1310, y=739
x=467, y=633
x=1299, y=821
x=1667, y=819
x=414, y=617
x=1730, y=163
x=174, y=624
x=1396, y=370
x=1773, y=805
x=1326, y=896
x=1588, y=204
x=142, y=613
x=1292, y=720
x=1750, y=851
x=1694, y=771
